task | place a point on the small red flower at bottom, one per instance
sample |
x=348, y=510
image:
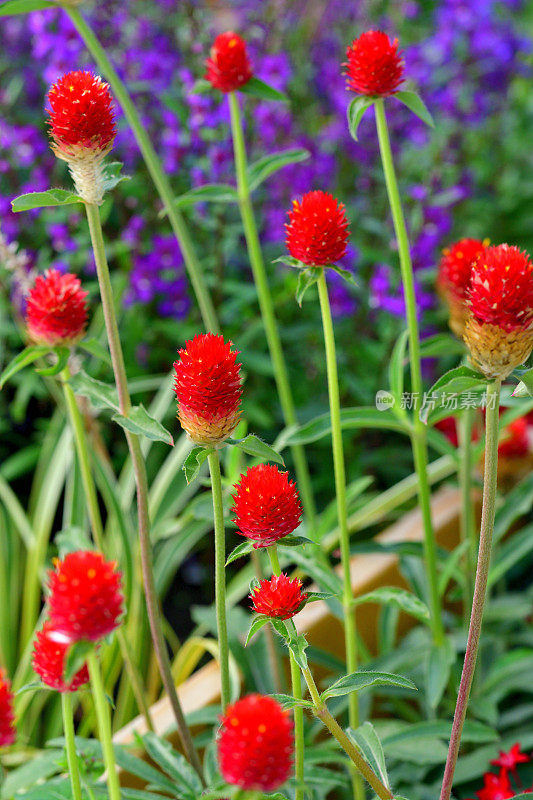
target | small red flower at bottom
x=7, y=714
x=511, y=758
x=56, y=309
x=49, y=656
x=255, y=744
x=374, y=66
x=496, y=787
x=280, y=597
x=86, y=600
x=228, y=67
x=317, y=231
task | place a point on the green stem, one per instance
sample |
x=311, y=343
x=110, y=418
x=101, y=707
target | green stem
x=153, y=165
x=220, y=575
x=80, y=438
x=70, y=745
x=296, y=681
x=490, y=482
x=268, y=633
x=139, y=469
x=104, y=725
x=468, y=534
x=267, y=311
x=419, y=437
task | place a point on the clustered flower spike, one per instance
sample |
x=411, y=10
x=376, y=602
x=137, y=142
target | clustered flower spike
x=208, y=389
x=499, y=326
x=317, y=231
x=279, y=596
x=56, y=309
x=7, y=715
x=49, y=656
x=255, y=744
x=266, y=505
x=82, y=129
x=86, y=600
x=228, y=67
x=374, y=66
x=454, y=275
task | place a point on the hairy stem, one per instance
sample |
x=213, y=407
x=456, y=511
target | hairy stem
x=468, y=533
x=70, y=745
x=104, y=725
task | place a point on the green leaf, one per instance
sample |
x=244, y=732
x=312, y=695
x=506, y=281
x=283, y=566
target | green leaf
x=24, y=6
x=288, y=701
x=257, y=623
x=259, y=88
x=306, y=278
x=201, y=86
x=294, y=541
x=396, y=370
x=62, y=356
x=344, y=273
x=454, y=382
x=241, y=550
x=312, y=597
x=441, y=344
x=76, y=658
x=172, y=763
x=94, y=348
x=38, y=768
x=415, y=104
x=401, y=598
x=53, y=197
x=27, y=356
x=357, y=681
x=140, y=422
x=369, y=744
x=473, y=731
x=290, y=261
x=525, y=387
x=35, y=686
x=356, y=110
x=101, y=394
x=193, y=462
x=112, y=176
x=255, y=446
x=260, y=170
x=298, y=647
x=364, y=417
x=209, y=193
x=437, y=668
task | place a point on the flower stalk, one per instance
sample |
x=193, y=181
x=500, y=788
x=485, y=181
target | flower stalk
x=468, y=534
x=419, y=436
x=70, y=745
x=267, y=309
x=490, y=481
x=104, y=725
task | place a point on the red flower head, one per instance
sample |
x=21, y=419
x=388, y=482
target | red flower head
x=208, y=389
x=496, y=787
x=266, y=505
x=514, y=442
x=453, y=281
x=49, y=655
x=374, y=66
x=82, y=120
x=8, y=733
x=511, y=758
x=56, y=310
x=280, y=597
x=317, y=231
x=86, y=599
x=499, y=327
x=255, y=744
x=228, y=67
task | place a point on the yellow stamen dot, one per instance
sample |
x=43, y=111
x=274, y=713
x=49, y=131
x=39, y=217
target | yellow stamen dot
x=234, y=721
x=91, y=573
x=262, y=728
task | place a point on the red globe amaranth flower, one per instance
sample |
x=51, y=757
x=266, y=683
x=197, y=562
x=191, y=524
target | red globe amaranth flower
x=8, y=733
x=82, y=120
x=317, y=231
x=374, y=66
x=208, y=389
x=266, y=505
x=86, y=599
x=496, y=787
x=255, y=744
x=56, y=309
x=514, y=442
x=454, y=274
x=228, y=67
x=511, y=758
x=49, y=656
x=499, y=326
x=280, y=597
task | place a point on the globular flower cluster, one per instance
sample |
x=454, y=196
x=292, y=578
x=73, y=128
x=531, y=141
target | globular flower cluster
x=266, y=505
x=374, y=66
x=208, y=389
x=86, y=600
x=499, y=325
x=280, y=597
x=228, y=66
x=255, y=744
x=49, y=656
x=317, y=231
x=7, y=714
x=56, y=309
x=82, y=129
x=454, y=276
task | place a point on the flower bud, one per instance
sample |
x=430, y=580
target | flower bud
x=56, y=309
x=374, y=66
x=228, y=67
x=317, y=231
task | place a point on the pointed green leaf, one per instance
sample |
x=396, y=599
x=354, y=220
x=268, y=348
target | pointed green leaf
x=94, y=348
x=288, y=701
x=362, y=679
x=396, y=371
x=365, y=417
x=260, y=170
x=441, y=344
x=208, y=193
x=24, y=6
x=258, y=622
x=356, y=111
x=525, y=387
x=27, y=356
x=415, y=104
x=306, y=279
x=298, y=647
x=312, y=597
x=438, y=666
x=255, y=446
x=201, y=86
x=454, y=382
x=240, y=551
x=112, y=175
x=369, y=744
x=140, y=422
x=401, y=598
x=53, y=197
x=290, y=261
x=35, y=686
x=101, y=394
x=344, y=273
x=76, y=658
x=172, y=763
x=62, y=356
x=259, y=88
x=193, y=462
x=294, y=541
